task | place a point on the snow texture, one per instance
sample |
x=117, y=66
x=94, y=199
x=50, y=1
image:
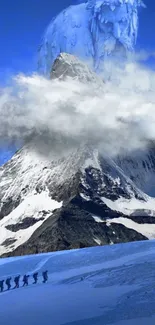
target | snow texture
x=33, y=206
x=140, y=169
x=129, y=206
x=93, y=31
x=117, y=287
x=147, y=230
x=34, y=178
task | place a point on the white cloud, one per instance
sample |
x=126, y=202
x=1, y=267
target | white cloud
x=121, y=115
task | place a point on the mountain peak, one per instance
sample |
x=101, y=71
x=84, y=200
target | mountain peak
x=67, y=65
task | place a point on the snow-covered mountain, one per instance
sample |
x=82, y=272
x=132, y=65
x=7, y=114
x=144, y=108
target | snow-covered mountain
x=110, y=285
x=79, y=199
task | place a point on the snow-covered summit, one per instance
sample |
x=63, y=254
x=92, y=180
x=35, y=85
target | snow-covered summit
x=71, y=66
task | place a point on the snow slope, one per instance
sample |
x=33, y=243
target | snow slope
x=117, y=287
x=33, y=206
x=140, y=168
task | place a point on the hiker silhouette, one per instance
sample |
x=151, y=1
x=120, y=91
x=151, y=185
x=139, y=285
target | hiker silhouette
x=2, y=285
x=7, y=282
x=45, y=276
x=25, y=280
x=16, y=280
x=35, y=277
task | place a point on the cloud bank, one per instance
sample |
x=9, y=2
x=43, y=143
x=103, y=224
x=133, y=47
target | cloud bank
x=119, y=116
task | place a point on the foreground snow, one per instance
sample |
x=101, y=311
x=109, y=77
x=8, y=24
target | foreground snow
x=117, y=287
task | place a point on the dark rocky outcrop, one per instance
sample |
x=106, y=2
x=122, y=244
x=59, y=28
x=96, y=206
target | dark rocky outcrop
x=74, y=227
x=26, y=223
x=8, y=242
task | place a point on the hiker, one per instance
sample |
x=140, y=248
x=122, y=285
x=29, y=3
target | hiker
x=35, y=277
x=25, y=280
x=7, y=282
x=2, y=285
x=16, y=280
x=45, y=276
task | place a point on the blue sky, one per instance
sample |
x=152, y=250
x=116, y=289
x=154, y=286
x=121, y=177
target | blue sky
x=23, y=22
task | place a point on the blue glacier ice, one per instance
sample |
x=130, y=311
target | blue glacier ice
x=94, y=31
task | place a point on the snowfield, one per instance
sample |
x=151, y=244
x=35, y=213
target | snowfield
x=117, y=287
x=33, y=205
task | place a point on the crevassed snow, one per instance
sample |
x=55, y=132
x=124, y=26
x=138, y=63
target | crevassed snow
x=33, y=206
x=117, y=287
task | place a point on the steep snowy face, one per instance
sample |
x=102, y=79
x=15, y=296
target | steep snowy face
x=32, y=186
x=92, y=31
x=140, y=167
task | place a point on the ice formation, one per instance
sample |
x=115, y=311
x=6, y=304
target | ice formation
x=93, y=31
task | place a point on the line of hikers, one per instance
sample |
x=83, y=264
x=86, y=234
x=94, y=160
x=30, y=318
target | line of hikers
x=25, y=280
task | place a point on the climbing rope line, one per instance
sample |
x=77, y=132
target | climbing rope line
x=25, y=281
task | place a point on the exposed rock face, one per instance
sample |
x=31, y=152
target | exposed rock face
x=70, y=66
x=26, y=223
x=81, y=199
x=72, y=227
